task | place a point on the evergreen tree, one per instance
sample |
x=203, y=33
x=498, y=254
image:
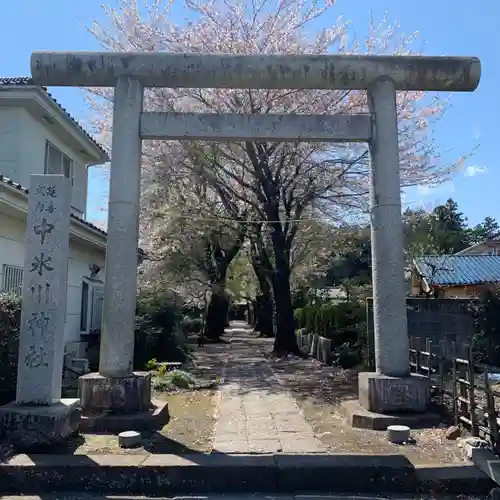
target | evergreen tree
x=351, y=258
x=486, y=229
x=449, y=228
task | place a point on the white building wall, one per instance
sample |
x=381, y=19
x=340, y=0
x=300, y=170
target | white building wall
x=12, y=237
x=10, y=141
x=78, y=268
x=22, y=152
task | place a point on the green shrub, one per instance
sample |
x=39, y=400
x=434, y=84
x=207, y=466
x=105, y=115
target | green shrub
x=298, y=316
x=342, y=323
x=152, y=365
x=347, y=356
x=180, y=378
x=175, y=379
x=486, y=340
x=158, y=321
x=310, y=318
x=300, y=297
x=10, y=320
x=191, y=325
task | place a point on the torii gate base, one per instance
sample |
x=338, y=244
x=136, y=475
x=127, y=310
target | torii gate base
x=357, y=414
x=392, y=388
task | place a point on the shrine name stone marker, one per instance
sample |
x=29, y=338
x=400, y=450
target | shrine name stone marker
x=38, y=409
x=45, y=281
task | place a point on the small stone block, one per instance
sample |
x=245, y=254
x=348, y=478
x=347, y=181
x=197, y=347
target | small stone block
x=385, y=394
x=129, y=439
x=398, y=434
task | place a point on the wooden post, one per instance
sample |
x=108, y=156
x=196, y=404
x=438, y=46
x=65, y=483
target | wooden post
x=441, y=361
x=491, y=412
x=454, y=382
x=410, y=355
x=472, y=393
x=428, y=348
x=417, y=354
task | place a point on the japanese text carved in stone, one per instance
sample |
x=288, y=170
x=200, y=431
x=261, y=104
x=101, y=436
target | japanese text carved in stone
x=41, y=342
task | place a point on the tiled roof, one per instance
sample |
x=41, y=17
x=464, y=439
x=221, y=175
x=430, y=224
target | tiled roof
x=25, y=81
x=24, y=190
x=449, y=270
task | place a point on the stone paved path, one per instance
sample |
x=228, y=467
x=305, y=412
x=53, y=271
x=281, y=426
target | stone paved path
x=256, y=414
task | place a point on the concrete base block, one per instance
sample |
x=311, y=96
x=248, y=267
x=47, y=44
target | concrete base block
x=27, y=426
x=129, y=439
x=360, y=418
x=125, y=395
x=384, y=394
x=153, y=419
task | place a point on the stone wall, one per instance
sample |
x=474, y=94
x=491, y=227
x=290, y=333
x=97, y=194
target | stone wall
x=442, y=320
x=317, y=347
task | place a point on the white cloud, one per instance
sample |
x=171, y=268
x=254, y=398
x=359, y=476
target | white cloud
x=477, y=132
x=473, y=170
x=436, y=189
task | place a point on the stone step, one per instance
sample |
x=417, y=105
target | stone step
x=165, y=475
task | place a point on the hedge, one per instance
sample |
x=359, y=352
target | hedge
x=159, y=324
x=342, y=323
x=10, y=320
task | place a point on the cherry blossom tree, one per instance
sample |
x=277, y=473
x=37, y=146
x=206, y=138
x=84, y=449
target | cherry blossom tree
x=190, y=245
x=280, y=183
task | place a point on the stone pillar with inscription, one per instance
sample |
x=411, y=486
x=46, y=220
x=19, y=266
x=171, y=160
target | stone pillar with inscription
x=39, y=415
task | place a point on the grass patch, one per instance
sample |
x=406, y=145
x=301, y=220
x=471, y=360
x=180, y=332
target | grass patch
x=174, y=380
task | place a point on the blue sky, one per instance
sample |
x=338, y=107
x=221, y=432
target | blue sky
x=447, y=26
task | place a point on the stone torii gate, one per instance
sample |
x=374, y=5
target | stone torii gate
x=391, y=388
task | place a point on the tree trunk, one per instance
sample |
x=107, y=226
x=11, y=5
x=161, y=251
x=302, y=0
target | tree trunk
x=217, y=262
x=265, y=306
x=285, y=341
x=263, y=270
x=218, y=308
x=265, y=313
x=254, y=314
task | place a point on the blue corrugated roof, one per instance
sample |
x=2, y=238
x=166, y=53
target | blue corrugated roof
x=459, y=269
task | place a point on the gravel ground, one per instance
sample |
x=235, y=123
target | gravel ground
x=319, y=389
x=190, y=430
x=192, y=414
